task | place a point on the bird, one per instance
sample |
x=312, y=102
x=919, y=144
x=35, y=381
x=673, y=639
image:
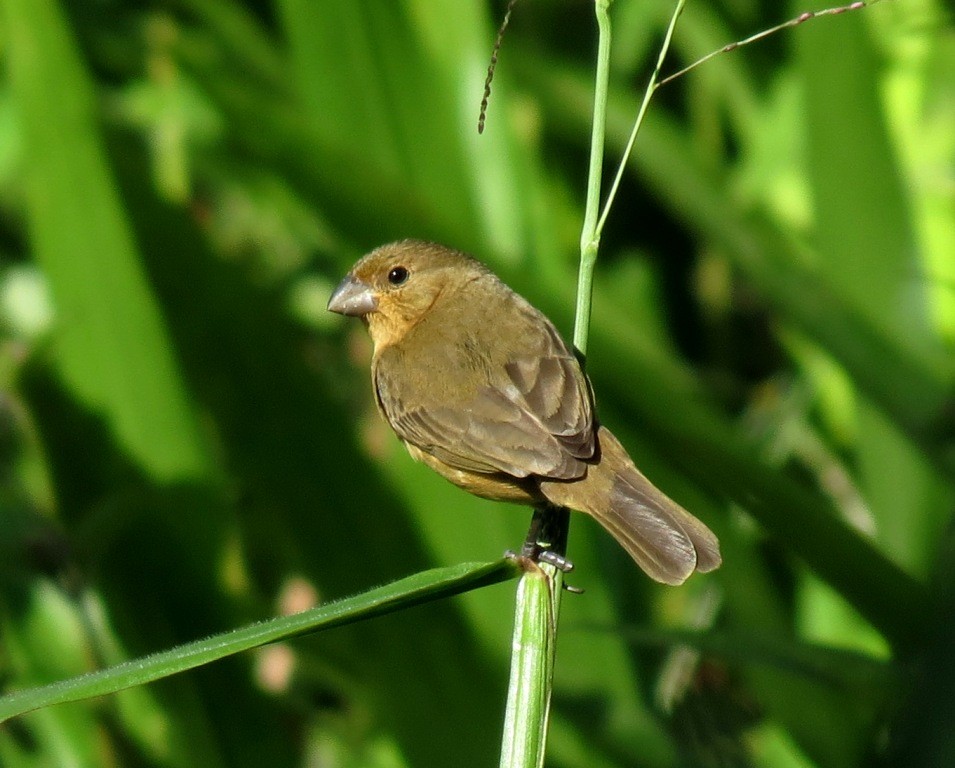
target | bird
x=480, y=386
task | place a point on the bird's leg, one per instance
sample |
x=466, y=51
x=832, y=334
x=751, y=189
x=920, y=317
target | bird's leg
x=546, y=540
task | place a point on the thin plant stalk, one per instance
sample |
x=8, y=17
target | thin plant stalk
x=647, y=95
x=539, y=592
x=802, y=18
x=590, y=233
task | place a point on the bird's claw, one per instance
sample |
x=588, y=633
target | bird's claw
x=531, y=556
x=560, y=562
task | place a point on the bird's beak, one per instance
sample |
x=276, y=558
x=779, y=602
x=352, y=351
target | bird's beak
x=353, y=297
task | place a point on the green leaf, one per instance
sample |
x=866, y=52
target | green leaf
x=109, y=342
x=413, y=590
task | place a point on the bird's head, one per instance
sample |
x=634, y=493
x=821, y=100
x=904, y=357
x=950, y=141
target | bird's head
x=395, y=286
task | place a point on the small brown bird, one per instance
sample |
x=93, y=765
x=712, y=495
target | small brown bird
x=480, y=387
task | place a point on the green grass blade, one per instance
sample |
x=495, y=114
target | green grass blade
x=865, y=227
x=109, y=342
x=413, y=590
x=828, y=666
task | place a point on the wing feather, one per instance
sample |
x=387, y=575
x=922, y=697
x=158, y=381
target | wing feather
x=530, y=415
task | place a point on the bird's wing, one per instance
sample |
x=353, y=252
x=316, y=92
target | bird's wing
x=530, y=416
x=553, y=390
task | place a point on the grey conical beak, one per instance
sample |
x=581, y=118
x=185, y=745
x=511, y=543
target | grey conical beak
x=353, y=297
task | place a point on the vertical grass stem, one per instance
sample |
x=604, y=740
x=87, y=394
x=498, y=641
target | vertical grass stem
x=590, y=234
x=539, y=591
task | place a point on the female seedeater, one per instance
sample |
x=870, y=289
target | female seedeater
x=480, y=386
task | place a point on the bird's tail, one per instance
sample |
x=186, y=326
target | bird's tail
x=664, y=539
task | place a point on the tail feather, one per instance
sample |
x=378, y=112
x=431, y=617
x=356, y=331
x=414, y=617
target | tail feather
x=662, y=537
x=657, y=532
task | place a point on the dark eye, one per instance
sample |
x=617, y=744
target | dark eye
x=397, y=275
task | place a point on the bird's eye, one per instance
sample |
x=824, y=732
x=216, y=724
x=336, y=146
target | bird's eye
x=397, y=275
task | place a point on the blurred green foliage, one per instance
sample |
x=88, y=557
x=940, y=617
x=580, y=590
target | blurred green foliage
x=188, y=441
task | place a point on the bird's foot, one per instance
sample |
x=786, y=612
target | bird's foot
x=546, y=542
x=546, y=539
x=529, y=561
x=538, y=552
